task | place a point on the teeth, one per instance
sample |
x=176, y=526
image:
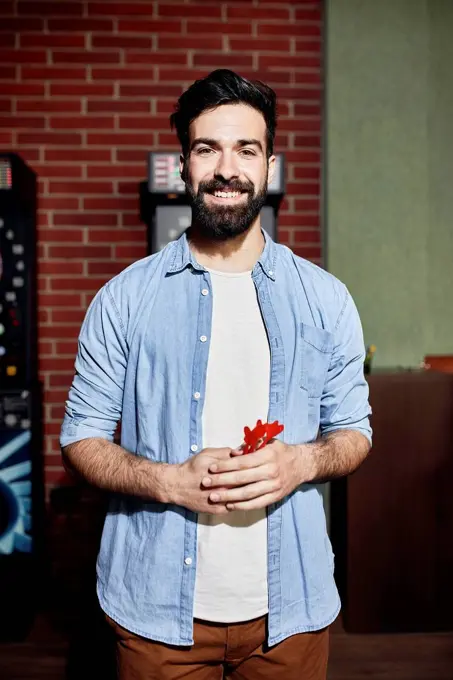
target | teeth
x=226, y=194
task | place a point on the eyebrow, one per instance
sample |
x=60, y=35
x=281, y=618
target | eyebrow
x=215, y=144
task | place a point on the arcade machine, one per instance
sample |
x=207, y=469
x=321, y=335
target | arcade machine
x=21, y=488
x=164, y=206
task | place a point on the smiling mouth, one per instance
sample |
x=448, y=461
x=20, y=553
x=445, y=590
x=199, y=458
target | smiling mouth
x=226, y=195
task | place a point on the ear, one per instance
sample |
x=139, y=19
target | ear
x=271, y=170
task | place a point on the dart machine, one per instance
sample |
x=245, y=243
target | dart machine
x=165, y=208
x=21, y=487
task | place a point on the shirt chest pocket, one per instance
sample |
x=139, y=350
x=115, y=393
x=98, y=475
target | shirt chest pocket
x=316, y=351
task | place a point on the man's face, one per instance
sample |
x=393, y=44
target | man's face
x=227, y=171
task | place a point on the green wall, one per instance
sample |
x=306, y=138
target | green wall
x=389, y=170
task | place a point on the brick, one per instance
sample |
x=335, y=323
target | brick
x=147, y=27
x=169, y=140
x=262, y=44
x=123, y=139
x=85, y=57
x=23, y=57
x=131, y=252
x=305, y=77
x=80, y=25
x=84, y=219
x=79, y=252
x=120, y=8
x=127, y=187
x=216, y=60
x=297, y=30
x=121, y=203
x=80, y=187
x=152, y=58
x=48, y=105
x=303, y=188
x=72, y=316
x=300, y=124
x=307, y=109
x=57, y=412
x=105, y=268
x=81, y=122
x=121, y=42
x=202, y=28
x=21, y=25
x=55, y=138
x=164, y=106
x=60, y=235
x=5, y=105
x=51, y=267
x=20, y=122
x=117, y=235
x=271, y=78
x=308, y=14
x=46, y=40
x=257, y=13
x=53, y=73
x=308, y=235
x=49, y=8
x=143, y=123
x=305, y=140
x=13, y=89
x=131, y=221
x=46, y=170
x=74, y=284
x=299, y=221
x=304, y=45
x=77, y=155
x=122, y=74
x=182, y=74
x=31, y=156
x=308, y=252
x=81, y=90
x=116, y=171
x=7, y=7
x=212, y=11
x=8, y=72
x=188, y=42
x=289, y=61
x=307, y=172
x=118, y=106
x=150, y=90
x=7, y=40
x=60, y=299
x=306, y=204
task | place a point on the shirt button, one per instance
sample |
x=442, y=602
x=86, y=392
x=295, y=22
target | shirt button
x=271, y=273
x=203, y=338
x=188, y=561
x=205, y=291
x=194, y=447
x=196, y=395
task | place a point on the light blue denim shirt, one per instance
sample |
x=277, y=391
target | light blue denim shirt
x=142, y=358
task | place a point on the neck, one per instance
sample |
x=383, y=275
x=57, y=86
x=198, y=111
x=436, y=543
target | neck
x=238, y=254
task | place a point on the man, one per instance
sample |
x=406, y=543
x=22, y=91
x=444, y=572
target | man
x=214, y=563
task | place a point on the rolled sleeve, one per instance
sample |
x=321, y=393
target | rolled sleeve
x=344, y=403
x=95, y=398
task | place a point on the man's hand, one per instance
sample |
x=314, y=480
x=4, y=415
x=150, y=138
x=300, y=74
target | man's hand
x=255, y=480
x=184, y=486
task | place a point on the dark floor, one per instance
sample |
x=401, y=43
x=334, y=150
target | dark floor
x=44, y=656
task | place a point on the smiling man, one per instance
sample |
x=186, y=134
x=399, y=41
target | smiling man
x=214, y=563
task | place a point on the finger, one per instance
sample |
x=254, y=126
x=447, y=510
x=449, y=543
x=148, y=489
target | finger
x=237, y=478
x=254, y=504
x=242, y=493
x=244, y=462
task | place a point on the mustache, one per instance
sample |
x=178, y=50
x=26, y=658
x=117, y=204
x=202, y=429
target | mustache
x=215, y=185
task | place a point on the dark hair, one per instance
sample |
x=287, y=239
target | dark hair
x=224, y=87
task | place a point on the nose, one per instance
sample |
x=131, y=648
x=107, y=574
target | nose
x=226, y=168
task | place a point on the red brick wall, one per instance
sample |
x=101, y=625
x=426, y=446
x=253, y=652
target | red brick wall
x=86, y=89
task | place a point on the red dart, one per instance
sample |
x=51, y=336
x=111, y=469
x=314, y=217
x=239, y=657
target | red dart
x=261, y=434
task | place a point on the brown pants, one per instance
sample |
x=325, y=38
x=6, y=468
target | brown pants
x=236, y=651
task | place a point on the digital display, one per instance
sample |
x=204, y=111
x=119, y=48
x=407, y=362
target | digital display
x=6, y=175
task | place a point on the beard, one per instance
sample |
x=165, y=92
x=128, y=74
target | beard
x=225, y=222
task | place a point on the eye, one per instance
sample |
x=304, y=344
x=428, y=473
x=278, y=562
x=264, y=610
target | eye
x=247, y=152
x=205, y=151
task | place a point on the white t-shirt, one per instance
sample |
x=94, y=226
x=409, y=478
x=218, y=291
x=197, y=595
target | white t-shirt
x=231, y=580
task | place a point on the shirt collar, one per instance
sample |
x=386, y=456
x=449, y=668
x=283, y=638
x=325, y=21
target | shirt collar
x=182, y=257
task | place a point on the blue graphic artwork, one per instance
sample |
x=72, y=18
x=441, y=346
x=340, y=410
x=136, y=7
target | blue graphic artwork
x=15, y=492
